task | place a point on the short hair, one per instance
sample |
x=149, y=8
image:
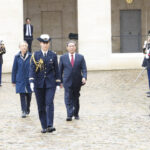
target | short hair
x=71, y=41
x=22, y=43
x=28, y=19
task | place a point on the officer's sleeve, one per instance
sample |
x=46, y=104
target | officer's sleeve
x=14, y=70
x=61, y=68
x=57, y=75
x=32, y=70
x=84, y=68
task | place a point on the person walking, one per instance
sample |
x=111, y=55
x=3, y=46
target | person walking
x=44, y=78
x=146, y=60
x=73, y=73
x=20, y=77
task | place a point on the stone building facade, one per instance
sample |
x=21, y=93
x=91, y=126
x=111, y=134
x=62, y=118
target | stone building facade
x=111, y=32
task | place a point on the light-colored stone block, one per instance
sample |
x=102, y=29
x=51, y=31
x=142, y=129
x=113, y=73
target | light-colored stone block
x=11, y=29
x=94, y=28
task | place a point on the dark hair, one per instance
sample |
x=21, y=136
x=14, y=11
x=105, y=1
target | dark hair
x=28, y=19
x=71, y=41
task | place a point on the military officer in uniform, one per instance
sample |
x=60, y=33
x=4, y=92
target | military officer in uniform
x=44, y=80
x=146, y=61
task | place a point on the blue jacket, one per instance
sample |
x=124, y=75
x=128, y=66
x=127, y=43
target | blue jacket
x=72, y=76
x=20, y=73
x=47, y=75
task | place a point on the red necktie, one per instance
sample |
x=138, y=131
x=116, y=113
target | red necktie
x=72, y=60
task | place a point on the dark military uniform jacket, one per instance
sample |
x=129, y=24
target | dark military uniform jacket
x=44, y=71
x=146, y=62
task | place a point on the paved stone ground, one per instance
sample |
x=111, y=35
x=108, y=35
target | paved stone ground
x=114, y=116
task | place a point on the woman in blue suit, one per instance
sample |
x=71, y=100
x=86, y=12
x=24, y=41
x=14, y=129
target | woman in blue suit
x=20, y=77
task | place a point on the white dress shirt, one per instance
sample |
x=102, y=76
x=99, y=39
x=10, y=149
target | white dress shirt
x=44, y=52
x=70, y=56
x=28, y=30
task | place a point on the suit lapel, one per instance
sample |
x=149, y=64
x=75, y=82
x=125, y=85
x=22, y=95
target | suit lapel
x=76, y=60
x=68, y=60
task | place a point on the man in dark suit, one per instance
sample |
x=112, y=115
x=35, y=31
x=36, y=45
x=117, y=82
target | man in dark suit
x=44, y=80
x=73, y=72
x=28, y=33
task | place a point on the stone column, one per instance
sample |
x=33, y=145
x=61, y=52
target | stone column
x=94, y=28
x=11, y=32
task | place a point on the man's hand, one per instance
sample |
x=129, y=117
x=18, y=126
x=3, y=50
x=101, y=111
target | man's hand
x=32, y=87
x=83, y=81
x=13, y=84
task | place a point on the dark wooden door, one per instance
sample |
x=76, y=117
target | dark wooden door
x=130, y=31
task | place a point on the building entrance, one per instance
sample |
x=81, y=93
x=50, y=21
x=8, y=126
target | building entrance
x=130, y=31
x=58, y=18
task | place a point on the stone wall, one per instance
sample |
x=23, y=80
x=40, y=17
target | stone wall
x=11, y=16
x=116, y=6
x=55, y=17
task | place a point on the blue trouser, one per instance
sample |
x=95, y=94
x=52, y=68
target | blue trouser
x=45, y=98
x=25, y=99
x=72, y=95
x=148, y=74
x=0, y=73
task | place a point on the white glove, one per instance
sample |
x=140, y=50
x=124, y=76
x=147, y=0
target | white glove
x=57, y=88
x=147, y=56
x=32, y=87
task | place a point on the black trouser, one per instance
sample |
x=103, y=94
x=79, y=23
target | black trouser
x=29, y=41
x=25, y=99
x=72, y=95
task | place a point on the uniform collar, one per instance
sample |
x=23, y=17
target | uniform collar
x=43, y=52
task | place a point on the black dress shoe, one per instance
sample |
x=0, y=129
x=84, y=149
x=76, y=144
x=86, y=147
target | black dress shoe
x=51, y=129
x=69, y=119
x=77, y=117
x=23, y=114
x=148, y=92
x=28, y=112
x=43, y=131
